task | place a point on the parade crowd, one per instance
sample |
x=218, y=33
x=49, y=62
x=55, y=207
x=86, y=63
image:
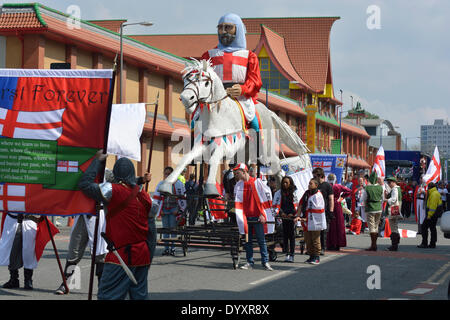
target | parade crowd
x=326, y=212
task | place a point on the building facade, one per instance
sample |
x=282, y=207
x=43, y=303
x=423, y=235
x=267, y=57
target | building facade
x=437, y=134
x=35, y=36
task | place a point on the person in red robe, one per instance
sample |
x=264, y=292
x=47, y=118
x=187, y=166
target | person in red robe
x=336, y=238
x=128, y=208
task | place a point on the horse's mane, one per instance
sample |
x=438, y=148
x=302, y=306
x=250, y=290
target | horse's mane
x=196, y=66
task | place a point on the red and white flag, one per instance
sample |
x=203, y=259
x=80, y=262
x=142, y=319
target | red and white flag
x=379, y=165
x=67, y=166
x=42, y=125
x=434, y=171
x=264, y=196
x=12, y=197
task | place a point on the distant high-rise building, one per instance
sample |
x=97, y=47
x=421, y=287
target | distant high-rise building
x=437, y=134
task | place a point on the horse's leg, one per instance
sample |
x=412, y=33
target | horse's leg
x=166, y=186
x=214, y=162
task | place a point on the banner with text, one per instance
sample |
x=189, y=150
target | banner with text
x=331, y=163
x=52, y=122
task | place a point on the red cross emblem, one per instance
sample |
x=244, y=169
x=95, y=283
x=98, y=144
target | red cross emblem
x=5, y=198
x=227, y=60
x=10, y=122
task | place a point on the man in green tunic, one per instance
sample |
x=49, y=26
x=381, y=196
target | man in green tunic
x=374, y=200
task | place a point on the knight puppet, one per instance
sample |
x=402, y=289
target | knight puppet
x=237, y=67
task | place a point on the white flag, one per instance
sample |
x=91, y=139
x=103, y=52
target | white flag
x=125, y=129
x=434, y=171
x=379, y=165
x=301, y=181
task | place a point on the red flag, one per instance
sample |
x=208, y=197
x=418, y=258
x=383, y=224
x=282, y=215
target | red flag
x=43, y=236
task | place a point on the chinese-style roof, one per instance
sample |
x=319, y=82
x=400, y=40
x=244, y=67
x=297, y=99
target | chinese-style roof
x=188, y=45
x=355, y=129
x=17, y=17
x=113, y=25
x=307, y=43
x=275, y=47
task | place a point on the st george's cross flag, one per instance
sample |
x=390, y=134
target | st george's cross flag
x=379, y=164
x=434, y=171
x=52, y=122
x=263, y=198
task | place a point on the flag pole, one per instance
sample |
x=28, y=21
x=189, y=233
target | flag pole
x=57, y=255
x=102, y=173
x=155, y=115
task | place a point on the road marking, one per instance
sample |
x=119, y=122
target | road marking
x=435, y=275
x=272, y=277
x=419, y=291
x=444, y=277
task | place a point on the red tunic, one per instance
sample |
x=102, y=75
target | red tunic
x=253, y=82
x=128, y=228
x=251, y=207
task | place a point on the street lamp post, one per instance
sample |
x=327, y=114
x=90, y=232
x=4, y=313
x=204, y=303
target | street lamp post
x=144, y=23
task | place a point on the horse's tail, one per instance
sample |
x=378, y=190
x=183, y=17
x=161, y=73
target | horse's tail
x=291, y=139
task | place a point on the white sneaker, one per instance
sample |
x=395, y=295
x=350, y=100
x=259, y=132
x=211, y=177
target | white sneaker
x=267, y=266
x=288, y=258
x=291, y=258
x=247, y=266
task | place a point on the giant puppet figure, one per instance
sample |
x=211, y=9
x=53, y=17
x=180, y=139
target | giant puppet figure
x=237, y=67
x=219, y=92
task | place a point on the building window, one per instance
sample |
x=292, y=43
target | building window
x=272, y=78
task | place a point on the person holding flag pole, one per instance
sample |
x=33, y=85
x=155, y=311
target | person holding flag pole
x=433, y=201
x=128, y=207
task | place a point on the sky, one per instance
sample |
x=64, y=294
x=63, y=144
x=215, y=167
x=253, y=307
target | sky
x=391, y=56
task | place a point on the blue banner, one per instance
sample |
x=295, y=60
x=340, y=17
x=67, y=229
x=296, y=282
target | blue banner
x=331, y=163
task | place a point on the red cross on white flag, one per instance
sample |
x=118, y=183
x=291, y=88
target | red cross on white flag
x=67, y=166
x=434, y=171
x=43, y=125
x=12, y=197
x=379, y=164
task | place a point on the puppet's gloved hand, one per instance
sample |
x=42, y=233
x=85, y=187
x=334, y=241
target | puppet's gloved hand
x=235, y=91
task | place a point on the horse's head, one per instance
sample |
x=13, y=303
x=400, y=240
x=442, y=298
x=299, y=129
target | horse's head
x=201, y=85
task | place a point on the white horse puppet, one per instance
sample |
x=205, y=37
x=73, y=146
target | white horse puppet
x=219, y=121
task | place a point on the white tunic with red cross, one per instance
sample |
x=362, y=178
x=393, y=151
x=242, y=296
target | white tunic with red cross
x=231, y=67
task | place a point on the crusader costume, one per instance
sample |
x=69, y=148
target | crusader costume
x=22, y=243
x=128, y=208
x=237, y=67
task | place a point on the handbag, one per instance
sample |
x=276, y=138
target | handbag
x=395, y=211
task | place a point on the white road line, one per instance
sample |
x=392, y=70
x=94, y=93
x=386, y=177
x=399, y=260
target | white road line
x=271, y=277
x=419, y=291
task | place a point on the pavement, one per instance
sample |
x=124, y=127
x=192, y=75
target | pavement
x=207, y=274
